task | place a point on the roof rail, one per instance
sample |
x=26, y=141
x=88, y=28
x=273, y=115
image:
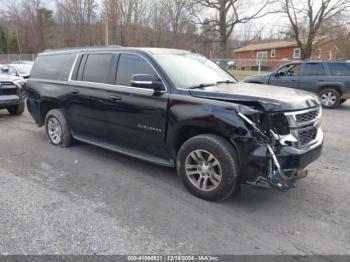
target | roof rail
x=82, y=48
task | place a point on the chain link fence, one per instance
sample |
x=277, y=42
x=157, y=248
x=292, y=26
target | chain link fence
x=10, y=58
x=241, y=68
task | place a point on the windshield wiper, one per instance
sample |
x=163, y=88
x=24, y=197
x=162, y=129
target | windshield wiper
x=226, y=82
x=201, y=86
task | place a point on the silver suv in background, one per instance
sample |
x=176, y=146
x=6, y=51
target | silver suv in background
x=19, y=70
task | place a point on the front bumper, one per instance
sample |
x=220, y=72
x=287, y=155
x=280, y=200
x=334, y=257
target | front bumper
x=291, y=159
x=10, y=100
x=295, y=158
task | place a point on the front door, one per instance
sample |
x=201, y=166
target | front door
x=138, y=116
x=287, y=76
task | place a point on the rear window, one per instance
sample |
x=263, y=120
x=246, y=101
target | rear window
x=97, y=68
x=53, y=67
x=314, y=69
x=339, y=69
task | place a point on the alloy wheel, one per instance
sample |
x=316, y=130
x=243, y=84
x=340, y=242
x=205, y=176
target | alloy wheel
x=328, y=98
x=54, y=130
x=203, y=170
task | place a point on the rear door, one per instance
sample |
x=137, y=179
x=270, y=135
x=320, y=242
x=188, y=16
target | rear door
x=313, y=74
x=288, y=76
x=338, y=72
x=137, y=116
x=88, y=96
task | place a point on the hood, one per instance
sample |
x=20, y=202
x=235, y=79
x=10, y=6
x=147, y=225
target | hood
x=271, y=98
x=7, y=78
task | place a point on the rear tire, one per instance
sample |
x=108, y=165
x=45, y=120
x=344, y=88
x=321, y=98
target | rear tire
x=209, y=168
x=16, y=110
x=57, y=128
x=330, y=98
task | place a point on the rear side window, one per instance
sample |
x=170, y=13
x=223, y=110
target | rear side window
x=130, y=65
x=97, y=68
x=339, y=69
x=314, y=69
x=53, y=67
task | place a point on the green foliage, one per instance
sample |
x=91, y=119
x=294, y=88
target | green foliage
x=46, y=15
x=3, y=41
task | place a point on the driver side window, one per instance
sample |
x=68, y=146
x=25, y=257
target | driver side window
x=130, y=65
x=289, y=70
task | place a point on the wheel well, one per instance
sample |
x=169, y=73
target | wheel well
x=188, y=132
x=330, y=87
x=46, y=106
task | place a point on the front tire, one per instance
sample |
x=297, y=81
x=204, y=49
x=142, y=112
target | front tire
x=57, y=128
x=208, y=167
x=16, y=110
x=330, y=98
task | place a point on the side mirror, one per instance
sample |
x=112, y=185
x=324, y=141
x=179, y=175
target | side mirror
x=276, y=74
x=146, y=81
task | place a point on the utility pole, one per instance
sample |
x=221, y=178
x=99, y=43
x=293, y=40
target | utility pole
x=106, y=24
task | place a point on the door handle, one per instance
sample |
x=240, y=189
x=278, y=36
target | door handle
x=115, y=98
x=75, y=91
x=320, y=80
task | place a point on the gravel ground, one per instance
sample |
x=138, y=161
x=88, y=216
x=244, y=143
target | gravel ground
x=85, y=200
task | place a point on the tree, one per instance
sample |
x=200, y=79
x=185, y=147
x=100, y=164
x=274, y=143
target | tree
x=179, y=15
x=229, y=13
x=307, y=18
x=78, y=19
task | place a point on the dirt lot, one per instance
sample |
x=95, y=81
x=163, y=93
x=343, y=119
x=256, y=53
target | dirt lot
x=85, y=200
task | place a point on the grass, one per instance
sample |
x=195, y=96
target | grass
x=241, y=74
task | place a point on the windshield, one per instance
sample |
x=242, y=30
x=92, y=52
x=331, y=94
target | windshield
x=189, y=70
x=23, y=68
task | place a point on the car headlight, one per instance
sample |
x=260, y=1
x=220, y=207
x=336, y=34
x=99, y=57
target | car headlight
x=19, y=83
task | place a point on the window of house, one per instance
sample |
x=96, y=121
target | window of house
x=319, y=53
x=261, y=55
x=296, y=53
x=273, y=52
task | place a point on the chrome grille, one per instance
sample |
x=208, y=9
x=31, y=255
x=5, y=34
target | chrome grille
x=303, y=125
x=307, y=117
x=306, y=136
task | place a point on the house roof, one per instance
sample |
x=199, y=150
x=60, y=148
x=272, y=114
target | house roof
x=276, y=44
x=268, y=45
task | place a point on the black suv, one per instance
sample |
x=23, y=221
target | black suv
x=330, y=80
x=178, y=109
x=12, y=94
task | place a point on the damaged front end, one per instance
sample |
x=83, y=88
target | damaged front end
x=285, y=143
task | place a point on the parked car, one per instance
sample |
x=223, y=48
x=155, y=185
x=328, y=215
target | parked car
x=177, y=109
x=19, y=70
x=12, y=94
x=330, y=79
x=231, y=65
x=25, y=62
